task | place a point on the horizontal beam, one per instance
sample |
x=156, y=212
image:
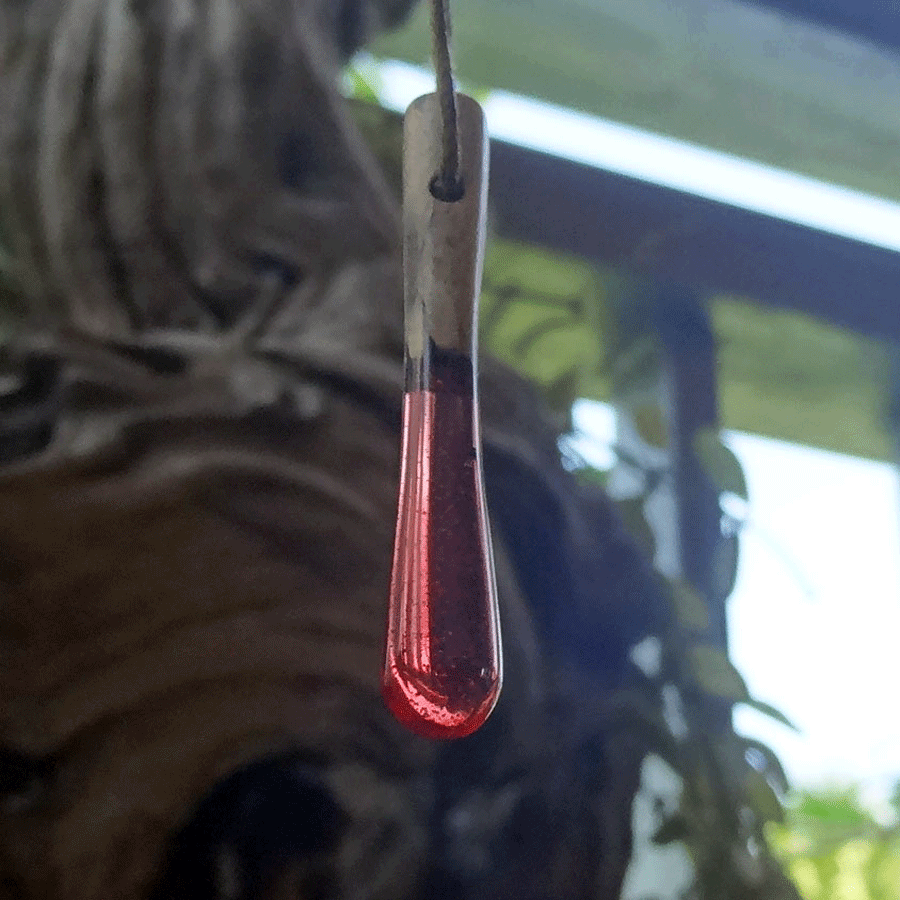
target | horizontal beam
x=877, y=21
x=717, y=248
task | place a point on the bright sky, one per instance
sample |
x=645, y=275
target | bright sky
x=825, y=652
x=815, y=616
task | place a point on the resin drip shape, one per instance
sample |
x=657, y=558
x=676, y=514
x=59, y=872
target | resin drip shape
x=442, y=664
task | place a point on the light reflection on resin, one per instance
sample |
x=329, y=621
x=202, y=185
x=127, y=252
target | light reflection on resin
x=442, y=670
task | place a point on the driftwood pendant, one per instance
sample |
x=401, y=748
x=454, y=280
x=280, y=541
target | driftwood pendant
x=443, y=664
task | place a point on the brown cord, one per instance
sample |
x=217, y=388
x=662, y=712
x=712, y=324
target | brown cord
x=447, y=182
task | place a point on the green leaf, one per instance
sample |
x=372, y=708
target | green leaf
x=769, y=763
x=724, y=565
x=762, y=798
x=481, y=94
x=673, y=829
x=540, y=313
x=361, y=88
x=650, y=423
x=834, y=806
x=632, y=512
x=715, y=674
x=771, y=712
x=590, y=475
x=690, y=607
x=719, y=462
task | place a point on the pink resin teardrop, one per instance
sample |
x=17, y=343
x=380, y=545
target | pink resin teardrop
x=443, y=670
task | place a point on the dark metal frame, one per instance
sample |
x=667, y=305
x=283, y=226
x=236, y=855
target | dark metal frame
x=877, y=21
x=692, y=247
x=712, y=247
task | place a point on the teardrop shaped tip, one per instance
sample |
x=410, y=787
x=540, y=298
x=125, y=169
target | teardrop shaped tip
x=451, y=711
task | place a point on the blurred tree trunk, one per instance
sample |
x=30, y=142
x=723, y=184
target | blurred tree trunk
x=198, y=433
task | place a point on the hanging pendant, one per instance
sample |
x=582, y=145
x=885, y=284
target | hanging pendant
x=442, y=667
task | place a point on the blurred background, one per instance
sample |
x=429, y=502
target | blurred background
x=694, y=251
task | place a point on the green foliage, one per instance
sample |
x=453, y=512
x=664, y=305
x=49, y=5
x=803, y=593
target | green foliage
x=720, y=463
x=762, y=797
x=542, y=314
x=715, y=673
x=361, y=85
x=691, y=608
x=770, y=711
x=834, y=848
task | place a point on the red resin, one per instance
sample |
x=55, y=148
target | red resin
x=442, y=669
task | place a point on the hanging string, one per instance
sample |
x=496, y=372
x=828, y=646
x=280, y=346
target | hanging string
x=447, y=183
